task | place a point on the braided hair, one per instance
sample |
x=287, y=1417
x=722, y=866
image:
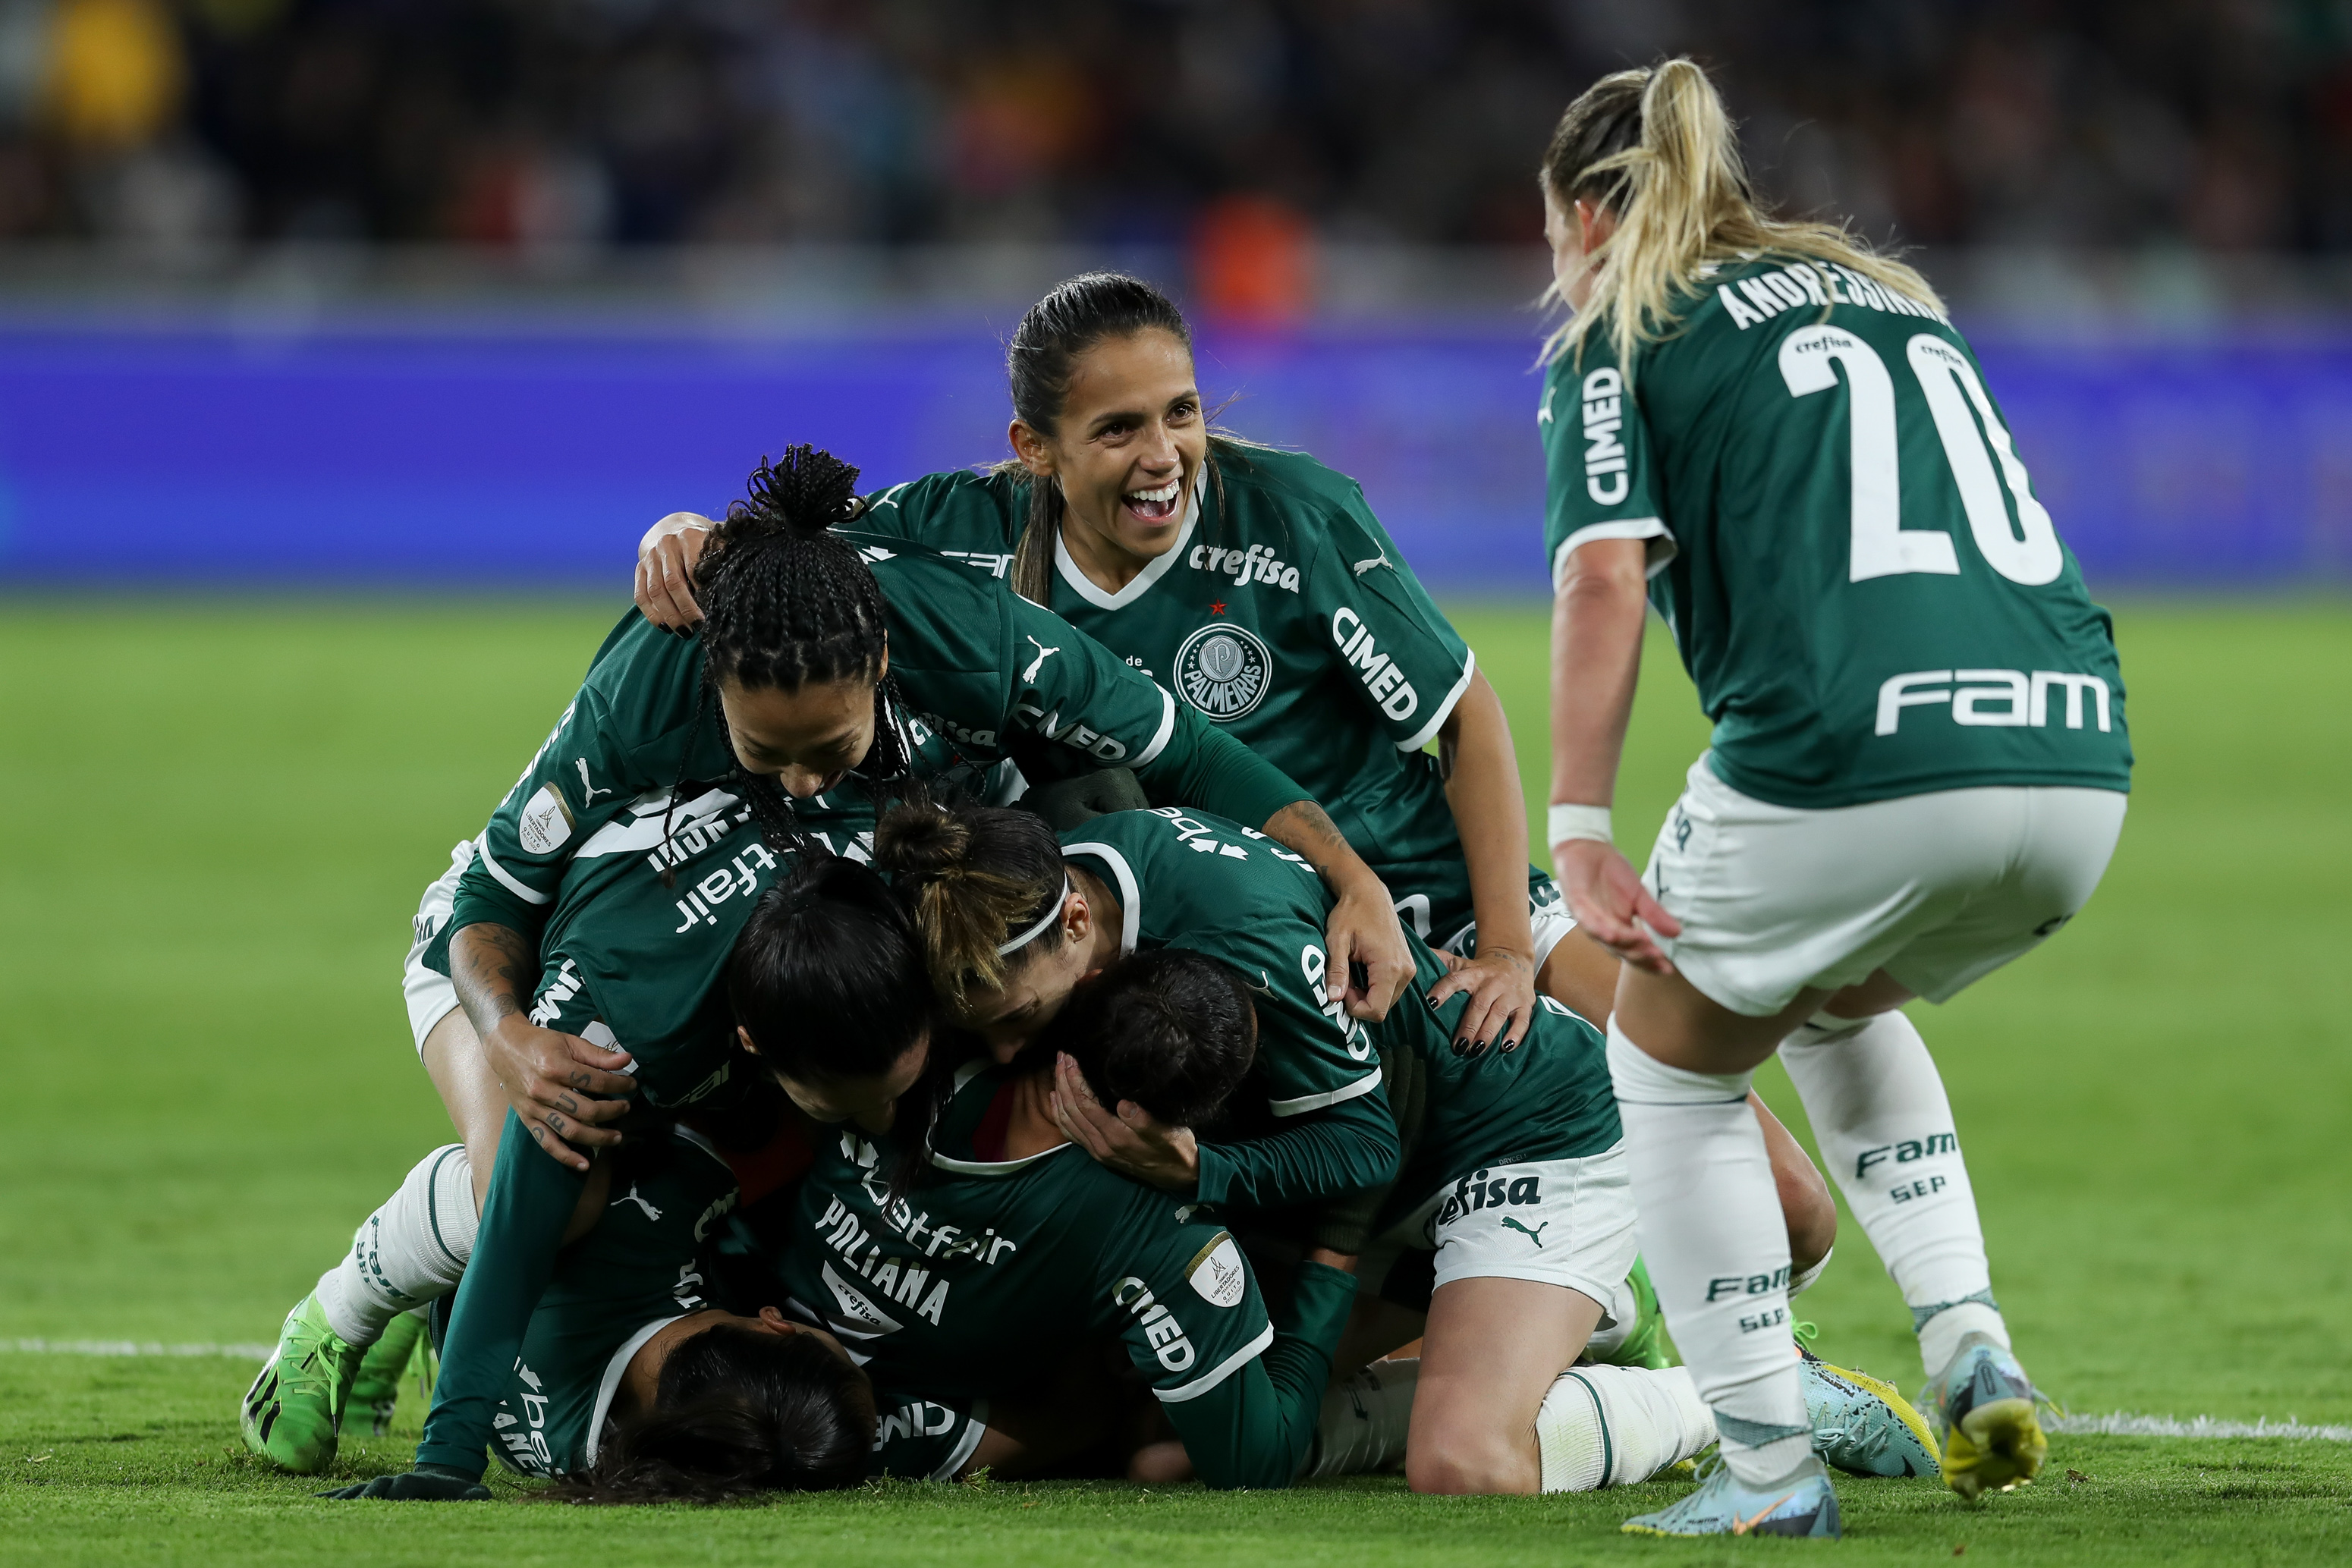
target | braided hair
x=786, y=602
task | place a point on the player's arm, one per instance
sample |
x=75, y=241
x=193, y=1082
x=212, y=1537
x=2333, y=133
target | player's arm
x=1253, y=1429
x=1318, y=1156
x=1182, y=759
x=1605, y=537
x=1481, y=768
x=560, y=1085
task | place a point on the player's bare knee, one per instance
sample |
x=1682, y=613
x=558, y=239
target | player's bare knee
x=1470, y=1458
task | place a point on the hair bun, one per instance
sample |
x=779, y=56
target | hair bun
x=808, y=491
x=920, y=838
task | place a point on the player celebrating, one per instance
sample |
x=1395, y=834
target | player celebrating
x=962, y=1253
x=1918, y=766
x=1260, y=588
x=820, y=666
x=1527, y=1270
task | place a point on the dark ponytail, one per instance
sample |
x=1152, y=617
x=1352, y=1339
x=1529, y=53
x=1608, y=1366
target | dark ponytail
x=1169, y=1028
x=827, y=977
x=737, y=1412
x=1081, y=312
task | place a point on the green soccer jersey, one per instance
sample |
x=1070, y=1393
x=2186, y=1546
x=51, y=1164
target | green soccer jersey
x=987, y=677
x=612, y=1290
x=974, y=1282
x=1194, y=880
x=1284, y=614
x=1864, y=589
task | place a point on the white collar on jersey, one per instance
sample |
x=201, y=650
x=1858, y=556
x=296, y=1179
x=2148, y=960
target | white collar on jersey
x=1084, y=586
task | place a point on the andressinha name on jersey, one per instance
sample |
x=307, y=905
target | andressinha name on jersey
x=1811, y=285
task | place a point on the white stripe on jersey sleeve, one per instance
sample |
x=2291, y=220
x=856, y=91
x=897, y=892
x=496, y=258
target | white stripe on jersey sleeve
x=483, y=845
x=1663, y=548
x=1445, y=709
x=1167, y=728
x=1218, y=1374
x=1306, y=1102
x=974, y=1429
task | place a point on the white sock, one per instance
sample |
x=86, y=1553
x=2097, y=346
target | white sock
x=1612, y=1425
x=408, y=1252
x=1364, y=1421
x=1878, y=1108
x=1717, y=1248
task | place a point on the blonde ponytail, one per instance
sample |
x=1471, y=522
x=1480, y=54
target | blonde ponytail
x=1655, y=148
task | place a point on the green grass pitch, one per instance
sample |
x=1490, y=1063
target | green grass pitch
x=219, y=813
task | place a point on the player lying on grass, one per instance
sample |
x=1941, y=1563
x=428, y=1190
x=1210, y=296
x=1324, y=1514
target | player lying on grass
x=1257, y=585
x=1015, y=919
x=630, y=1383
x=1918, y=766
x=818, y=682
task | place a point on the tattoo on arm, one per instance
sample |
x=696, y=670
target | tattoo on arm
x=1307, y=827
x=491, y=967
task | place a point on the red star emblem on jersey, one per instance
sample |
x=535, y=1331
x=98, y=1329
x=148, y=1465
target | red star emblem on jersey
x=1218, y=608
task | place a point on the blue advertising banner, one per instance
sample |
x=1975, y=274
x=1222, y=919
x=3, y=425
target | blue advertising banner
x=460, y=458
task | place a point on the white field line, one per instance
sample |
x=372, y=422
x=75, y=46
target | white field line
x=2115, y=1424
x=2126, y=1424
x=131, y=1347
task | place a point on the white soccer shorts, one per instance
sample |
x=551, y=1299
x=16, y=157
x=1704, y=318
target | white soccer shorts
x=1939, y=890
x=1557, y=1222
x=430, y=996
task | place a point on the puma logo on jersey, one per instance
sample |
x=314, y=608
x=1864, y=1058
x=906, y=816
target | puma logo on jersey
x=1543, y=411
x=2022, y=700
x=1037, y=663
x=1535, y=1236
x=1380, y=559
x=589, y=799
x=631, y=1196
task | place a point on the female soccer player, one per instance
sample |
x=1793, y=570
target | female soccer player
x=821, y=663
x=1258, y=585
x=630, y=1382
x=1014, y=921
x=1918, y=766
x=961, y=1253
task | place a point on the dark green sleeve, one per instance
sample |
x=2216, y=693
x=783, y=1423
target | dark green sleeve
x=1320, y=1154
x=1202, y=766
x=523, y=1219
x=1254, y=1428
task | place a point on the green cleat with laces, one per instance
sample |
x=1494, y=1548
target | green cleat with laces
x=292, y=1412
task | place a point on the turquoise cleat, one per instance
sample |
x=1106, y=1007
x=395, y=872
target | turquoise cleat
x=1864, y=1427
x=1800, y=1503
x=292, y=1414
x=1989, y=1411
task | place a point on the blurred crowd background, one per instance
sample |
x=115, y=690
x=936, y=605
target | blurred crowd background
x=2223, y=125
x=471, y=290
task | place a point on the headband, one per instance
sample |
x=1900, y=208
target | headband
x=1042, y=920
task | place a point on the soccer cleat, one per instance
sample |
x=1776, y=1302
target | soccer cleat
x=292, y=1411
x=1646, y=1344
x=1800, y=1503
x=375, y=1391
x=1862, y=1426
x=1987, y=1411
